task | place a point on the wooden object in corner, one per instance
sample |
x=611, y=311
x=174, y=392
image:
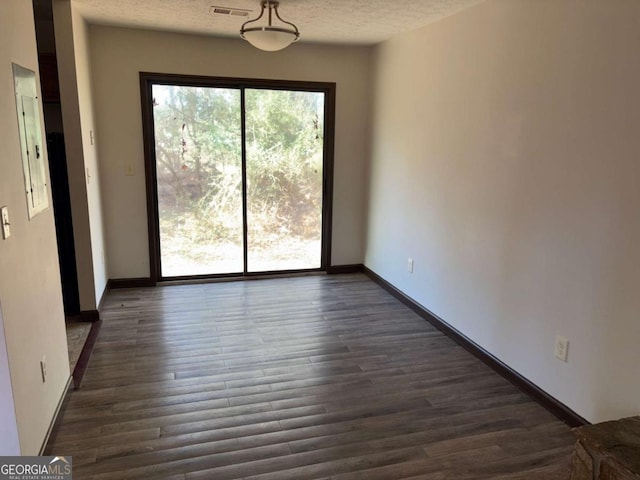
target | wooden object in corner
x=607, y=451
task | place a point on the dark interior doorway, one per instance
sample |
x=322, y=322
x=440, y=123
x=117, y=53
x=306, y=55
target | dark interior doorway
x=64, y=225
x=43, y=16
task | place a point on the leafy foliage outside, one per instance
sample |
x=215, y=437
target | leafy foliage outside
x=199, y=172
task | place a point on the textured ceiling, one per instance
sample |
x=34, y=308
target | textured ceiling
x=331, y=21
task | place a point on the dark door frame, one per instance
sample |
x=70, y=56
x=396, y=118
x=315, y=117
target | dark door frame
x=147, y=80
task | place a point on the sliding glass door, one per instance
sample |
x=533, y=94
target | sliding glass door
x=198, y=156
x=284, y=142
x=237, y=176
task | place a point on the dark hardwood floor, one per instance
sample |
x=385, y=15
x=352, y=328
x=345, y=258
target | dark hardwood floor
x=321, y=377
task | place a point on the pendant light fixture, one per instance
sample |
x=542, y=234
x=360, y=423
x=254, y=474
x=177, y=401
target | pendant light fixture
x=270, y=37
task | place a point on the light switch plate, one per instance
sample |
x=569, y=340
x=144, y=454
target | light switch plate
x=562, y=348
x=4, y=220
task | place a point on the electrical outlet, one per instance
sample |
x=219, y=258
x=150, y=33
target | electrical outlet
x=4, y=220
x=562, y=348
x=43, y=369
x=410, y=265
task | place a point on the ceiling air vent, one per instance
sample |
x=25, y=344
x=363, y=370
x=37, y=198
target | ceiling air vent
x=236, y=12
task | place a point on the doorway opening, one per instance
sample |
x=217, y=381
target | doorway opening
x=239, y=175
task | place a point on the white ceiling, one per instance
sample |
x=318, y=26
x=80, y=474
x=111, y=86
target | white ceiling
x=362, y=22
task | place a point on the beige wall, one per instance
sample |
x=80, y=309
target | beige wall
x=9, y=436
x=30, y=290
x=118, y=55
x=90, y=154
x=84, y=174
x=506, y=163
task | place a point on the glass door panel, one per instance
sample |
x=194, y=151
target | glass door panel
x=198, y=146
x=284, y=161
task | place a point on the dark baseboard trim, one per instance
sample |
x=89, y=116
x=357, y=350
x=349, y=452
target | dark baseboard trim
x=85, y=354
x=338, y=269
x=57, y=417
x=556, y=407
x=115, y=283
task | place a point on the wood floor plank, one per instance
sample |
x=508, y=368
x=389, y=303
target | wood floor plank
x=318, y=377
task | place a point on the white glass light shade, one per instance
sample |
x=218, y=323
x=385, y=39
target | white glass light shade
x=268, y=38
